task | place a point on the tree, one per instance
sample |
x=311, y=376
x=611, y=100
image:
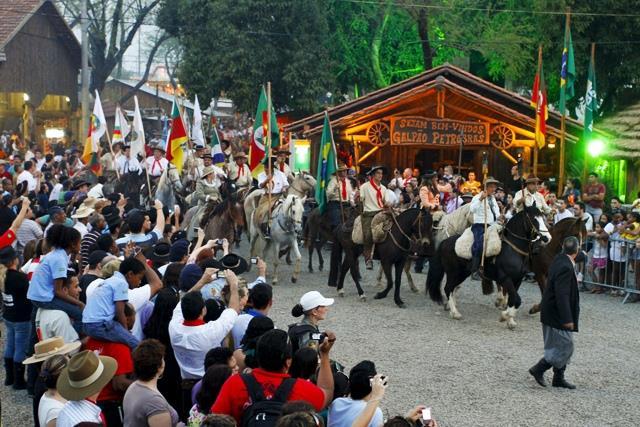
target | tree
x=113, y=26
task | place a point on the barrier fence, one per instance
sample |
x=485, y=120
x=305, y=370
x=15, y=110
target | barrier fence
x=612, y=265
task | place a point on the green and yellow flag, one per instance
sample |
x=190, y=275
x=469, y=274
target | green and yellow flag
x=327, y=165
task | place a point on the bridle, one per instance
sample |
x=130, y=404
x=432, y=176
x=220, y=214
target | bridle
x=289, y=218
x=413, y=242
x=295, y=181
x=537, y=235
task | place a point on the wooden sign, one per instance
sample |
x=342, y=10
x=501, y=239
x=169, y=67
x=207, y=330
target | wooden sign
x=416, y=130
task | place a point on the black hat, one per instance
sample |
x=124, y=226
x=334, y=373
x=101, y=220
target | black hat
x=235, y=263
x=111, y=216
x=7, y=254
x=375, y=168
x=158, y=253
x=96, y=257
x=79, y=184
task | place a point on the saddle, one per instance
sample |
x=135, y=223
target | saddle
x=380, y=226
x=494, y=242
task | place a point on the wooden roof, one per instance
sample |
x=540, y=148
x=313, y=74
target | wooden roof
x=484, y=96
x=15, y=14
x=624, y=125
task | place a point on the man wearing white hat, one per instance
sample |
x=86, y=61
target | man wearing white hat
x=486, y=212
x=239, y=171
x=82, y=218
x=339, y=192
x=157, y=163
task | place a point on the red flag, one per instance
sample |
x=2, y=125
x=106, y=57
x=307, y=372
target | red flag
x=539, y=102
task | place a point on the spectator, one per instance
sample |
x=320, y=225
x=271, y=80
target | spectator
x=246, y=355
x=8, y=237
x=31, y=176
x=304, y=363
x=56, y=323
x=274, y=359
x=593, y=196
x=260, y=302
x=28, y=231
x=516, y=183
x=581, y=212
x=139, y=226
x=80, y=383
x=571, y=192
x=471, y=185
x=97, y=223
x=171, y=277
x=216, y=356
x=616, y=206
x=561, y=211
x=617, y=257
x=82, y=219
x=631, y=230
x=143, y=403
x=50, y=403
x=16, y=311
x=599, y=255
x=104, y=316
x=212, y=382
x=92, y=271
x=218, y=420
x=315, y=308
x=57, y=215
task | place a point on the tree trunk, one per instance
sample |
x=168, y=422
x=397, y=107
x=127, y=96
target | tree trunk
x=422, y=19
x=374, y=54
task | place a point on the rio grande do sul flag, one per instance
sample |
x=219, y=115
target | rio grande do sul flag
x=539, y=102
x=97, y=128
x=177, y=137
x=261, y=128
x=120, y=128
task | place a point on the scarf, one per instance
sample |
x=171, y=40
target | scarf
x=241, y=170
x=378, y=190
x=196, y=322
x=343, y=184
x=153, y=166
x=281, y=167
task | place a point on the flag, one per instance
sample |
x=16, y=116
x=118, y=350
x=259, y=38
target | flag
x=121, y=127
x=327, y=165
x=97, y=128
x=568, y=71
x=591, y=101
x=196, y=131
x=217, y=155
x=260, y=129
x=539, y=102
x=177, y=137
x=137, y=132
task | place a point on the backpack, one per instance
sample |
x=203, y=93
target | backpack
x=264, y=412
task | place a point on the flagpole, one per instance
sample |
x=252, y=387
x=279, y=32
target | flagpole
x=536, y=148
x=267, y=140
x=113, y=155
x=335, y=159
x=561, y=173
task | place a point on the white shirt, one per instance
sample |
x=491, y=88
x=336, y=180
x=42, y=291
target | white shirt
x=240, y=328
x=40, y=163
x=55, y=323
x=126, y=165
x=156, y=167
x=31, y=181
x=55, y=192
x=279, y=183
x=77, y=411
x=48, y=409
x=96, y=192
x=615, y=243
x=344, y=411
x=477, y=209
x=559, y=216
x=589, y=223
x=82, y=228
x=191, y=343
x=529, y=199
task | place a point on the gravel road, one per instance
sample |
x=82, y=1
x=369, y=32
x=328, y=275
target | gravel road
x=471, y=371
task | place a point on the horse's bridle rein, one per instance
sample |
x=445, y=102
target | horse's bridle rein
x=290, y=221
x=411, y=239
x=536, y=232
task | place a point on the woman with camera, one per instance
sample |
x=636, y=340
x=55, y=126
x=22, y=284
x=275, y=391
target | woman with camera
x=314, y=307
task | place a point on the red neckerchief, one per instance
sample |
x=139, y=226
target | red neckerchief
x=196, y=322
x=281, y=167
x=241, y=171
x=378, y=192
x=343, y=182
x=153, y=166
x=103, y=419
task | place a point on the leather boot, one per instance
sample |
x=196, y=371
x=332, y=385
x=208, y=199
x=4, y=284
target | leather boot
x=475, y=266
x=8, y=371
x=538, y=370
x=18, y=372
x=558, y=379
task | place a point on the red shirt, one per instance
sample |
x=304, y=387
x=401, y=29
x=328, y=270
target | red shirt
x=7, y=238
x=122, y=354
x=234, y=398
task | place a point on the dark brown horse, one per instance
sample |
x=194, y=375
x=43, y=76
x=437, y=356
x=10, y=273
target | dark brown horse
x=222, y=220
x=317, y=232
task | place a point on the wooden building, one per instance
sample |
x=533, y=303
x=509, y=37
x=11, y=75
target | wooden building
x=39, y=66
x=437, y=117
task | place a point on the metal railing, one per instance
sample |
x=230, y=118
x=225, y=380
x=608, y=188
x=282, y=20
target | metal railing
x=616, y=267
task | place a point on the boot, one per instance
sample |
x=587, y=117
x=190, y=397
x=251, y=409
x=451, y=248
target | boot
x=558, y=379
x=538, y=370
x=475, y=267
x=266, y=231
x=8, y=371
x=18, y=373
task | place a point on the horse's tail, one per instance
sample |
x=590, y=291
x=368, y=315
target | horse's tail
x=434, y=277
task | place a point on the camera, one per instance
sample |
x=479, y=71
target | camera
x=220, y=274
x=254, y=260
x=318, y=336
x=219, y=242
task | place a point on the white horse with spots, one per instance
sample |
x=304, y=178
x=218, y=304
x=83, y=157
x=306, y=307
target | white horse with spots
x=286, y=226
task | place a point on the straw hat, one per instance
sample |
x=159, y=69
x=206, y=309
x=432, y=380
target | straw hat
x=240, y=155
x=50, y=347
x=90, y=202
x=82, y=212
x=283, y=149
x=491, y=180
x=85, y=375
x=207, y=171
x=342, y=167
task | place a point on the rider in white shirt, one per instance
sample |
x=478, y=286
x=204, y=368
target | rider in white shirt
x=157, y=163
x=128, y=163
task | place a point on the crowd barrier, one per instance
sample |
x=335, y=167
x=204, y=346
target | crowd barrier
x=619, y=272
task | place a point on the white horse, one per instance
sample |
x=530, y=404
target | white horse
x=168, y=186
x=286, y=226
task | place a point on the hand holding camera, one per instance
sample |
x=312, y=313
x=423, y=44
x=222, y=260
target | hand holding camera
x=378, y=386
x=327, y=342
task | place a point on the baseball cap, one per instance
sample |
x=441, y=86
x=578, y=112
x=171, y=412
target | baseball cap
x=178, y=250
x=314, y=299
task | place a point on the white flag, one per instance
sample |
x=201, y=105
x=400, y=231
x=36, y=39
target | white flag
x=99, y=123
x=121, y=128
x=137, y=134
x=196, y=131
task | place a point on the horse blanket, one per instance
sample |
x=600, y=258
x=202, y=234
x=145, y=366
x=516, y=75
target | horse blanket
x=465, y=241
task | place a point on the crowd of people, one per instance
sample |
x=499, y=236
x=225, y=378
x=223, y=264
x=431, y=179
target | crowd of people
x=113, y=317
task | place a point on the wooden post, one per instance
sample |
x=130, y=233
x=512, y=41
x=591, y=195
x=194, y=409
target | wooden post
x=561, y=172
x=267, y=140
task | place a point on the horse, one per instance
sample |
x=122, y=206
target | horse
x=343, y=244
x=132, y=185
x=317, y=232
x=520, y=234
x=169, y=187
x=286, y=225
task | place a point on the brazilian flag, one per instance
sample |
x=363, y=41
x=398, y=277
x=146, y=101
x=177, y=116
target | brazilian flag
x=327, y=163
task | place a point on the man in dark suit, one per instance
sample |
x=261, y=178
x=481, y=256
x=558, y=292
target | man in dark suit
x=559, y=313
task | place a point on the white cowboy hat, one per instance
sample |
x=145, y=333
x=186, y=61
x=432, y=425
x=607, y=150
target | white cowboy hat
x=83, y=212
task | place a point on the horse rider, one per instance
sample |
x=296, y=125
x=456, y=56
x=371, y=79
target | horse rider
x=282, y=165
x=274, y=182
x=372, y=194
x=529, y=195
x=128, y=163
x=194, y=163
x=157, y=163
x=109, y=161
x=486, y=212
x=207, y=190
x=339, y=192
x=239, y=171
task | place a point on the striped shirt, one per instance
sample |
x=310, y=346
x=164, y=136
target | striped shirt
x=88, y=241
x=28, y=231
x=77, y=411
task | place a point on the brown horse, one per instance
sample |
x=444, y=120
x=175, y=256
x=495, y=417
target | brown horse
x=317, y=231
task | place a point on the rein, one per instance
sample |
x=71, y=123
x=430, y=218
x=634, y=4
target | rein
x=522, y=238
x=411, y=239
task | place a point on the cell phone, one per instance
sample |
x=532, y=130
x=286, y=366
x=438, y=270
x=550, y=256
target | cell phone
x=219, y=242
x=426, y=414
x=220, y=275
x=254, y=260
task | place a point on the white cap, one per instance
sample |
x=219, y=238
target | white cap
x=314, y=299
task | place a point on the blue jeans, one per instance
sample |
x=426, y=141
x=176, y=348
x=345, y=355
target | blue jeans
x=478, y=239
x=111, y=330
x=17, y=340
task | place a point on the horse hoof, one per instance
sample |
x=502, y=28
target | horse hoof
x=340, y=293
x=294, y=280
x=511, y=324
x=310, y=270
x=379, y=286
x=414, y=290
x=535, y=309
x=401, y=304
x=379, y=295
x=456, y=316
x=363, y=298
x=320, y=267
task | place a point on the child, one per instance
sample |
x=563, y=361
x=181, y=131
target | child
x=599, y=259
x=632, y=229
